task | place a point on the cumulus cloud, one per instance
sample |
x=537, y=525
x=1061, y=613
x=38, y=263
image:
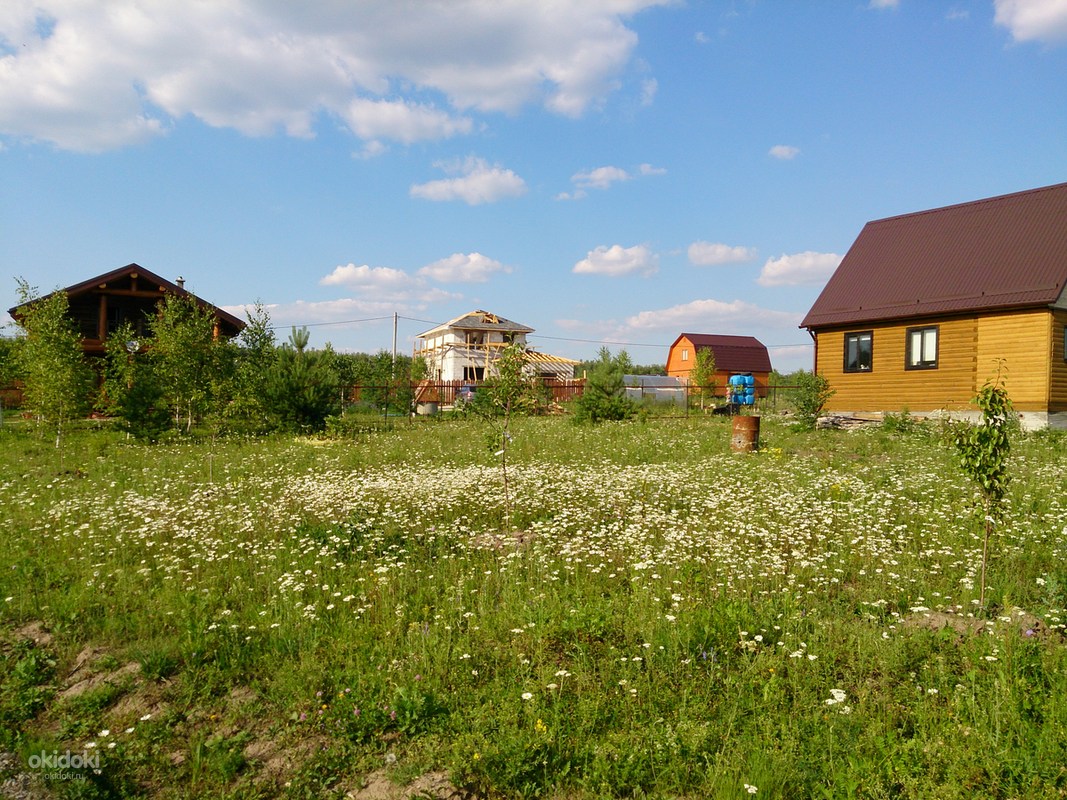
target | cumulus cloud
x=600, y=178
x=710, y=254
x=617, y=261
x=712, y=315
x=605, y=178
x=784, y=152
x=366, y=277
x=1033, y=20
x=798, y=268
x=463, y=268
x=95, y=76
x=401, y=121
x=476, y=182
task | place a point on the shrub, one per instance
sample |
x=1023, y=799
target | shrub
x=604, y=396
x=813, y=390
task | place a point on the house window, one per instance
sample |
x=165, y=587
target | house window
x=921, y=348
x=859, y=351
x=685, y=355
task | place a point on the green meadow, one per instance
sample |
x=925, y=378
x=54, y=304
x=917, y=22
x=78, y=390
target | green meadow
x=642, y=614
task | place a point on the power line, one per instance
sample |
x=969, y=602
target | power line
x=323, y=324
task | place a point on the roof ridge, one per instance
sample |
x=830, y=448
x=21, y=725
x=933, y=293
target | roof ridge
x=971, y=203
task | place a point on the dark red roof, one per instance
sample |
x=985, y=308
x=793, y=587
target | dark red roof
x=732, y=353
x=999, y=253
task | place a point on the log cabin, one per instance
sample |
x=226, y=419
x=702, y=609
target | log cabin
x=128, y=294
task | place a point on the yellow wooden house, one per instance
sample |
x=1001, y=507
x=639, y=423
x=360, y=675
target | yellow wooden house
x=927, y=307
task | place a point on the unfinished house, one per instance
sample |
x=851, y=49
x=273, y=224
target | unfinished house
x=465, y=348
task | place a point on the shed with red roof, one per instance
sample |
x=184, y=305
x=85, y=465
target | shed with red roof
x=733, y=354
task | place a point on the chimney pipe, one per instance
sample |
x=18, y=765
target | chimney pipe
x=180, y=282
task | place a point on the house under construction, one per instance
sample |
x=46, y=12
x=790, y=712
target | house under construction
x=465, y=349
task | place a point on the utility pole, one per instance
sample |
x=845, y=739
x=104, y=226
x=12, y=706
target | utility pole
x=394, y=344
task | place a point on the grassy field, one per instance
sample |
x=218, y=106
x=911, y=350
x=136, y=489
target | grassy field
x=310, y=618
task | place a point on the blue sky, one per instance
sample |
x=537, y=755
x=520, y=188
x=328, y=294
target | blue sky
x=604, y=171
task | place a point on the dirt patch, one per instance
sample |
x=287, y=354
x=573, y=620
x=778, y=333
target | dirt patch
x=276, y=762
x=36, y=632
x=377, y=786
x=1023, y=622
x=84, y=676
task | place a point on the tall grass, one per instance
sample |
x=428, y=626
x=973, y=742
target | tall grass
x=661, y=618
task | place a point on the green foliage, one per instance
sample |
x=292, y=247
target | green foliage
x=809, y=398
x=131, y=390
x=604, y=395
x=184, y=357
x=302, y=388
x=51, y=362
x=510, y=392
x=662, y=621
x=382, y=383
x=9, y=361
x=983, y=452
x=26, y=673
x=903, y=423
x=253, y=361
x=702, y=376
x=983, y=449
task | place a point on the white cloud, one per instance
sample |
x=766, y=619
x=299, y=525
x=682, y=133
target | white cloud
x=605, y=178
x=600, y=178
x=649, y=87
x=784, y=152
x=92, y=76
x=709, y=254
x=798, y=268
x=477, y=183
x=463, y=268
x=1033, y=20
x=617, y=261
x=371, y=278
x=880, y=4
x=401, y=121
x=713, y=316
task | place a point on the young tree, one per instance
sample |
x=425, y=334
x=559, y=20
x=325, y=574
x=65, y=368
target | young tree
x=131, y=390
x=302, y=389
x=604, y=396
x=503, y=396
x=702, y=376
x=983, y=451
x=56, y=378
x=254, y=359
x=184, y=356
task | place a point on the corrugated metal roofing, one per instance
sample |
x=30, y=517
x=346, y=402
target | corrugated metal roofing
x=478, y=321
x=733, y=353
x=1001, y=252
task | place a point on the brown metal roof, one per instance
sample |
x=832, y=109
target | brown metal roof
x=732, y=353
x=998, y=253
x=478, y=321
